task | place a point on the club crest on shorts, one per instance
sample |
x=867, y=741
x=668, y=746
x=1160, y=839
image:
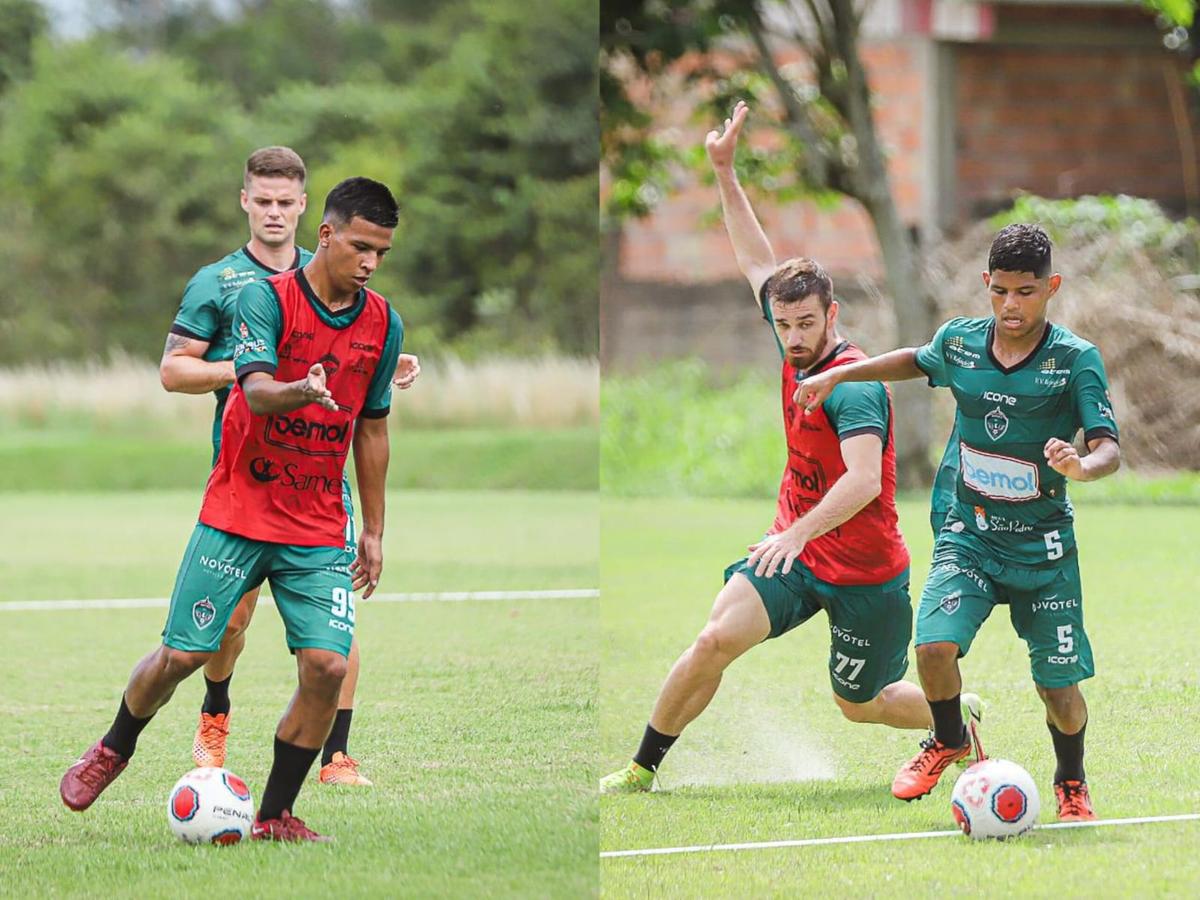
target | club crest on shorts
x=203, y=613
x=951, y=603
x=996, y=423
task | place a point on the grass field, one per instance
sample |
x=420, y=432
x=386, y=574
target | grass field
x=476, y=720
x=137, y=456
x=772, y=758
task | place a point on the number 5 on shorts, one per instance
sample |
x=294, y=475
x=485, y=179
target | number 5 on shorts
x=1066, y=642
x=343, y=605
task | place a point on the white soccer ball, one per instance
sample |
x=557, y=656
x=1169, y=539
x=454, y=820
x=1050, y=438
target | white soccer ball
x=995, y=799
x=210, y=806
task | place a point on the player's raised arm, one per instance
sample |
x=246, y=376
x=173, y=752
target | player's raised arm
x=896, y=365
x=754, y=255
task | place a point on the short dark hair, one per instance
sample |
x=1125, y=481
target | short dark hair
x=364, y=198
x=275, y=162
x=1021, y=248
x=797, y=278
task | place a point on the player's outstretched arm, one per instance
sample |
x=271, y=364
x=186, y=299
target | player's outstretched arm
x=1103, y=458
x=862, y=482
x=184, y=369
x=265, y=395
x=897, y=365
x=754, y=255
x=371, y=453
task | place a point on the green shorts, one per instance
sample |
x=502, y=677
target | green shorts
x=869, y=625
x=311, y=586
x=1045, y=606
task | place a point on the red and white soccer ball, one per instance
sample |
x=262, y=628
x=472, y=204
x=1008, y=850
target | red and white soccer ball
x=995, y=799
x=210, y=806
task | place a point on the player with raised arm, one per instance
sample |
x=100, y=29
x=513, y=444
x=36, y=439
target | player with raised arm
x=1024, y=387
x=835, y=543
x=315, y=355
x=198, y=358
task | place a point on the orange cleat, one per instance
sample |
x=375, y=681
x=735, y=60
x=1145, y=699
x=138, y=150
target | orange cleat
x=343, y=770
x=286, y=828
x=208, y=747
x=920, y=775
x=1074, y=801
x=92, y=773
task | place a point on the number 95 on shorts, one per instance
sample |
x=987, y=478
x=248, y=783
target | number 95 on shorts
x=311, y=587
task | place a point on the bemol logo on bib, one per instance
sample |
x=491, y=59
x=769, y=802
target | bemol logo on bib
x=998, y=477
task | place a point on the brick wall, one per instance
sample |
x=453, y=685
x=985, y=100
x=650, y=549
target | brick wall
x=675, y=245
x=1063, y=121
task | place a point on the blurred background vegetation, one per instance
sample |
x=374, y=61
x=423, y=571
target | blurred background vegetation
x=124, y=126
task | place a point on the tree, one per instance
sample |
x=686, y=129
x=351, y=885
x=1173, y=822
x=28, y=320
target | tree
x=831, y=141
x=21, y=23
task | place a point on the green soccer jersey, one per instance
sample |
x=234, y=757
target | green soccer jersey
x=206, y=312
x=1007, y=500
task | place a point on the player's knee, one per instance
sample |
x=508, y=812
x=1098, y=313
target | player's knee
x=177, y=665
x=938, y=655
x=324, y=671
x=709, y=646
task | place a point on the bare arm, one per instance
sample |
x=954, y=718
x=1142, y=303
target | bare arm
x=896, y=365
x=371, y=453
x=265, y=395
x=184, y=370
x=754, y=255
x=862, y=482
x=1104, y=458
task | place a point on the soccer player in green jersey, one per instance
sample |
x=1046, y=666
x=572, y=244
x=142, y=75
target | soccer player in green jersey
x=1024, y=387
x=198, y=358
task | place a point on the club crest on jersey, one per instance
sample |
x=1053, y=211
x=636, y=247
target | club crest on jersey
x=243, y=330
x=203, y=613
x=996, y=423
x=951, y=603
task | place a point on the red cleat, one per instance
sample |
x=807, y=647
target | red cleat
x=1074, y=801
x=920, y=775
x=286, y=828
x=91, y=774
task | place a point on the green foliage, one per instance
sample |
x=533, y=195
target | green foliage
x=674, y=431
x=122, y=158
x=111, y=168
x=1138, y=223
x=671, y=431
x=124, y=455
x=21, y=23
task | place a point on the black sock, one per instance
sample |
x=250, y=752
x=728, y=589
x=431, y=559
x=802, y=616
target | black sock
x=654, y=747
x=122, y=736
x=948, y=727
x=339, y=737
x=216, y=696
x=1069, y=750
x=287, y=776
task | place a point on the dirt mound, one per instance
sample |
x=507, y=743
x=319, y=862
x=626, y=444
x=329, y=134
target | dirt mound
x=1139, y=305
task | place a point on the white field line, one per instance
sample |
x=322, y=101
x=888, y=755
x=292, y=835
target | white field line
x=430, y=597
x=868, y=838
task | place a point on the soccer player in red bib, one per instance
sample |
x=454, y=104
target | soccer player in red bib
x=314, y=356
x=835, y=543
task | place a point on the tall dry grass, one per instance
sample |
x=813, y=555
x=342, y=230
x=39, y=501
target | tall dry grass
x=518, y=393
